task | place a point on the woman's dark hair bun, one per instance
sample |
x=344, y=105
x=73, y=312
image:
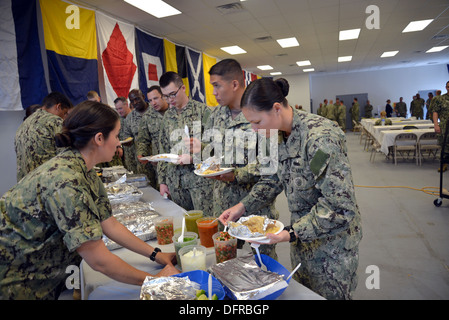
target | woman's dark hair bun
x=284, y=85
x=63, y=139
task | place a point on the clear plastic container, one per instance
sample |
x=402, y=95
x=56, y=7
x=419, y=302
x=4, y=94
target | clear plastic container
x=193, y=258
x=191, y=218
x=164, y=229
x=190, y=239
x=225, y=246
x=207, y=226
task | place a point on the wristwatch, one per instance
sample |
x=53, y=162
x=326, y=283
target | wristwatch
x=291, y=232
x=153, y=255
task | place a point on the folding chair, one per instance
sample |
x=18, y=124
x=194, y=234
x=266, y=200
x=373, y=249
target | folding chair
x=404, y=143
x=428, y=142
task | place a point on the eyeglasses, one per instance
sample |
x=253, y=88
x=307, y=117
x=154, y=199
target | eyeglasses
x=171, y=95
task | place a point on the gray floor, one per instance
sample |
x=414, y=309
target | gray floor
x=404, y=235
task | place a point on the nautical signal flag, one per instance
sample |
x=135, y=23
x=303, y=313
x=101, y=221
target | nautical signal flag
x=195, y=75
x=175, y=60
x=71, y=46
x=150, y=56
x=117, y=50
x=208, y=62
x=22, y=80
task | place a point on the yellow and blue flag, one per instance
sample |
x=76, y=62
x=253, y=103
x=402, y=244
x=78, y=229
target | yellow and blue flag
x=208, y=62
x=71, y=45
x=175, y=60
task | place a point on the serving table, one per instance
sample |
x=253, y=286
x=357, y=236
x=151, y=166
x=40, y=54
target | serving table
x=97, y=286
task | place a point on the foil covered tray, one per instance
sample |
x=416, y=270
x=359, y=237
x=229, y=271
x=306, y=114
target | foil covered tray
x=243, y=279
x=120, y=191
x=137, y=217
x=168, y=288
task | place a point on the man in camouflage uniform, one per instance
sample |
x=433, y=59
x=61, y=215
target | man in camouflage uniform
x=131, y=127
x=355, y=112
x=123, y=109
x=341, y=114
x=245, y=184
x=331, y=112
x=324, y=108
x=178, y=180
x=401, y=108
x=419, y=107
x=439, y=107
x=148, y=140
x=34, y=141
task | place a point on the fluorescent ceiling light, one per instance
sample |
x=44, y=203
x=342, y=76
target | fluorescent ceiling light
x=265, y=67
x=436, y=49
x=276, y=73
x=308, y=70
x=349, y=34
x=388, y=54
x=303, y=63
x=157, y=8
x=417, y=25
x=288, y=42
x=344, y=59
x=233, y=50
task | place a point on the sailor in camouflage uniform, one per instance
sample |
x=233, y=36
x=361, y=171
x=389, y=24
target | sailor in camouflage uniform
x=439, y=107
x=314, y=169
x=131, y=130
x=35, y=138
x=178, y=180
x=149, y=129
x=244, y=185
x=58, y=213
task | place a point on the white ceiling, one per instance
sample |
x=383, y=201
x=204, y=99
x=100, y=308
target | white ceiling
x=315, y=23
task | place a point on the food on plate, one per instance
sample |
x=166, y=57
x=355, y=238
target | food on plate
x=256, y=224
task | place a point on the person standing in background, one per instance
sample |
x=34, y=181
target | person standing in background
x=35, y=138
x=401, y=108
x=368, y=110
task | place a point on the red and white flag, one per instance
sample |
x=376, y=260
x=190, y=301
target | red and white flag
x=117, y=51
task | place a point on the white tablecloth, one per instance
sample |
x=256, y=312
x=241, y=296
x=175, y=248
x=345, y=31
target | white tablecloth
x=95, y=285
x=368, y=124
x=376, y=130
x=387, y=137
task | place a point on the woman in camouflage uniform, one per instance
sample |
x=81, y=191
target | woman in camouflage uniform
x=58, y=213
x=315, y=173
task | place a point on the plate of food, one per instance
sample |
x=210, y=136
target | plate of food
x=254, y=228
x=129, y=139
x=211, y=168
x=166, y=157
x=212, y=172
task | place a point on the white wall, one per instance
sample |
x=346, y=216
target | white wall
x=9, y=122
x=299, y=91
x=380, y=85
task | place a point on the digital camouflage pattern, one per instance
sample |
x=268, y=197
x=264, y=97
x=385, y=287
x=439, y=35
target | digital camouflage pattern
x=341, y=116
x=148, y=141
x=417, y=108
x=187, y=190
x=43, y=220
x=35, y=141
x=355, y=112
x=440, y=105
x=317, y=179
x=401, y=108
x=256, y=192
x=131, y=129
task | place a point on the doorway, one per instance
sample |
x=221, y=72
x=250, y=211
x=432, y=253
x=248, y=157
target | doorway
x=348, y=99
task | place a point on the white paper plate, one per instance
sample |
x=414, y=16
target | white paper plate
x=263, y=239
x=167, y=157
x=129, y=139
x=217, y=173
